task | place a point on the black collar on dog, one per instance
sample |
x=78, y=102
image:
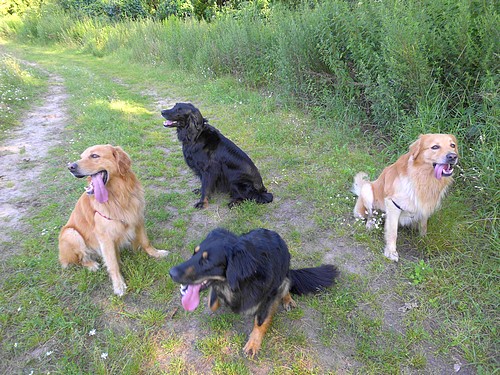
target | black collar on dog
x=397, y=205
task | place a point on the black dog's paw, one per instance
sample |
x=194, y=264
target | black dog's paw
x=201, y=205
x=196, y=191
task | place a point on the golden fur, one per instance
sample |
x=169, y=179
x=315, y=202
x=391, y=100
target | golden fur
x=101, y=229
x=411, y=189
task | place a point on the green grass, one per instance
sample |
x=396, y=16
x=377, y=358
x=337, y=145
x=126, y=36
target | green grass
x=308, y=165
x=20, y=85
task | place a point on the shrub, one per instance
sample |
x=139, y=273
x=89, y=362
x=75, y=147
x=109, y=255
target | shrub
x=178, y=8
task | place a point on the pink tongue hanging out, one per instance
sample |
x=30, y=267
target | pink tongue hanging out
x=191, y=299
x=438, y=170
x=100, y=191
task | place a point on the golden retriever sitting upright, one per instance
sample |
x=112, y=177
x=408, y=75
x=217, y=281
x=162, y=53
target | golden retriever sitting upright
x=411, y=189
x=108, y=216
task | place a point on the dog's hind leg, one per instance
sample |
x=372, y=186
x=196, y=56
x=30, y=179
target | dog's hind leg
x=260, y=327
x=288, y=302
x=73, y=250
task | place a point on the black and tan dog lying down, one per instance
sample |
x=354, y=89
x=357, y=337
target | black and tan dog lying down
x=249, y=273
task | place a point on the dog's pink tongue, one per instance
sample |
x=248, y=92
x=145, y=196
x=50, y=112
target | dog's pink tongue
x=100, y=191
x=191, y=299
x=438, y=170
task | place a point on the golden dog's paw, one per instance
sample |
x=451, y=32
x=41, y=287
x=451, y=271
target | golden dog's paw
x=91, y=266
x=119, y=288
x=163, y=253
x=391, y=254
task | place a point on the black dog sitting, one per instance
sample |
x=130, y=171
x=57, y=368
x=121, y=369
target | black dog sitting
x=250, y=274
x=218, y=162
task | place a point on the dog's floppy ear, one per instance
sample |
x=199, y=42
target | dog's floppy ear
x=195, y=119
x=240, y=265
x=415, y=147
x=122, y=160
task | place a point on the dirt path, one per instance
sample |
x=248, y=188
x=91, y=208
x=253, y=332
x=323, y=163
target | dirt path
x=22, y=155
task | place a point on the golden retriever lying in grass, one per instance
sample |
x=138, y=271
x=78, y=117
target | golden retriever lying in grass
x=411, y=189
x=108, y=216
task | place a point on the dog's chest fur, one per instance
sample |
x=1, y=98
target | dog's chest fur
x=418, y=200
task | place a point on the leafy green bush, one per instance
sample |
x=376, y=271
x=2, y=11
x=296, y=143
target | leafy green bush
x=178, y=8
x=18, y=6
x=112, y=9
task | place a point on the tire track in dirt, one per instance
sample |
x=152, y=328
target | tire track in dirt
x=22, y=156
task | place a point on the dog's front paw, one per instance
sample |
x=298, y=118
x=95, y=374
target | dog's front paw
x=119, y=287
x=201, y=205
x=162, y=253
x=252, y=346
x=391, y=254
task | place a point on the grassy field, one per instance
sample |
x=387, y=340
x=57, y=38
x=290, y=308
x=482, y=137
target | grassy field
x=433, y=312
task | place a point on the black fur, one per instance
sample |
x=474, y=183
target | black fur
x=218, y=162
x=250, y=273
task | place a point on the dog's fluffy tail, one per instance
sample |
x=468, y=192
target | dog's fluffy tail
x=363, y=189
x=312, y=280
x=359, y=180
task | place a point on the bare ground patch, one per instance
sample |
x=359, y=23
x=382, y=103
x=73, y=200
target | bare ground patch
x=22, y=156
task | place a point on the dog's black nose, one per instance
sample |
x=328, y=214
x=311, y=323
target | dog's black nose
x=451, y=157
x=174, y=273
x=72, y=167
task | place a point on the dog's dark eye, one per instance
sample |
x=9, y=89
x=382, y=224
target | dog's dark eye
x=204, y=257
x=436, y=147
x=452, y=145
x=94, y=156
